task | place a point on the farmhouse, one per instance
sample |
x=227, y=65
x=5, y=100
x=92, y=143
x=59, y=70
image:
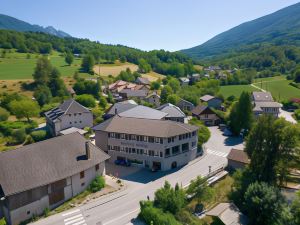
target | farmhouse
x=174, y=113
x=237, y=159
x=153, y=99
x=46, y=174
x=185, y=105
x=206, y=114
x=264, y=104
x=154, y=144
x=69, y=114
x=212, y=101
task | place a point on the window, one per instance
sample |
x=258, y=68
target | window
x=70, y=122
x=75, y=114
x=122, y=136
x=175, y=150
x=69, y=115
x=161, y=154
x=81, y=174
x=75, y=121
x=145, y=139
x=28, y=212
x=97, y=167
x=82, y=184
x=167, y=152
x=161, y=140
x=194, y=133
x=151, y=139
x=185, y=147
x=80, y=121
x=79, y=114
x=193, y=143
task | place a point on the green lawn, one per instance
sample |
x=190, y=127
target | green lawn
x=279, y=87
x=17, y=66
x=235, y=90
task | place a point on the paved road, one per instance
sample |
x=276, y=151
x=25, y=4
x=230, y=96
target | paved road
x=287, y=116
x=122, y=207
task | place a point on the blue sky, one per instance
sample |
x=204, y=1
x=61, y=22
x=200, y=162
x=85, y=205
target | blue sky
x=144, y=24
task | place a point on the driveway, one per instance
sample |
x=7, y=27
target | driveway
x=220, y=145
x=287, y=116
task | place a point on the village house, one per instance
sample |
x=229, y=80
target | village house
x=69, y=114
x=184, y=81
x=264, y=103
x=185, y=105
x=133, y=93
x=206, y=114
x=153, y=99
x=144, y=112
x=212, y=101
x=119, y=107
x=154, y=144
x=174, y=113
x=194, y=77
x=142, y=81
x=237, y=159
x=46, y=174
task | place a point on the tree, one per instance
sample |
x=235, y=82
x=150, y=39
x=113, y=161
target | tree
x=173, y=99
x=42, y=71
x=24, y=109
x=123, y=59
x=88, y=87
x=155, y=85
x=264, y=204
x=56, y=84
x=165, y=92
x=272, y=147
x=69, y=58
x=86, y=100
x=88, y=63
x=169, y=199
x=38, y=135
x=42, y=94
x=4, y=114
x=200, y=190
x=2, y=221
x=295, y=209
x=102, y=102
x=144, y=66
x=174, y=84
x=241, y=115
x=203, y=132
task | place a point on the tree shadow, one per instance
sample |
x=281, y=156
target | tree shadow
x=232, y=141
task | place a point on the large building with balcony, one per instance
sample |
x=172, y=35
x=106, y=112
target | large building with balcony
x=154, y=144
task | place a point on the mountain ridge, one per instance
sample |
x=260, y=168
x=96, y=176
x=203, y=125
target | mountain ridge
x=279, y=28
x=12, y=23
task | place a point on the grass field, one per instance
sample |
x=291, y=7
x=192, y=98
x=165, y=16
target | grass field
x=235, y=90
x=16, y=66
x=114, y=69
x=279, y=87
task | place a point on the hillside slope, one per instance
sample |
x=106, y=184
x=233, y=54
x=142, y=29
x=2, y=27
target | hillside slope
x=11, y=23
x=280, y=28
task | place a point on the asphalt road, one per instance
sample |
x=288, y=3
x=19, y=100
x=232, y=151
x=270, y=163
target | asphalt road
x=122, y=207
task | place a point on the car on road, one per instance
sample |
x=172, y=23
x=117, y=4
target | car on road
x=227, y=132
x=122, y=162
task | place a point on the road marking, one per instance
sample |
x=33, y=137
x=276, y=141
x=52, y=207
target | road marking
x=80, y=219
x=72, y=212
x=111, y=221
x=73, y=217
x=222, y=154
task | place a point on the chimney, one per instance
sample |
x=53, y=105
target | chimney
x=87, y=150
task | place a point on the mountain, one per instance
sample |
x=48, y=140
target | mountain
x=279, y=28
x=11, y=23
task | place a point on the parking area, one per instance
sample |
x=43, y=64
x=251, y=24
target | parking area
x=221, y=145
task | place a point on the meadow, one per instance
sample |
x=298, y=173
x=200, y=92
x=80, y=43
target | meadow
x=235, y=90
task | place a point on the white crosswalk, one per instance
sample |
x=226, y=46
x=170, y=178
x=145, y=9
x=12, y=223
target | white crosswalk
x=74, y=218
x=222, y=154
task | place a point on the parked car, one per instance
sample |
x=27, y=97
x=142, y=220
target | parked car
x=227, y=132
x=122, y=162
x=222, y=126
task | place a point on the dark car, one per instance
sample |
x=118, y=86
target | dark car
x=122, y=162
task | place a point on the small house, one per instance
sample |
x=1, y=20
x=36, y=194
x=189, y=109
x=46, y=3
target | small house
x=206, y=114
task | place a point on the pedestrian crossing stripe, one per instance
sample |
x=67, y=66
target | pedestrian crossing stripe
x=222, y=154
x=73, y=218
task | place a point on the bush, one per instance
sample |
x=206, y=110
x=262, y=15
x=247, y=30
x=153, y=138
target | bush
x=86, y=100
x=4, y=114
x=38, y=135
x=97, y=184
x=2, y=221
x=19, y=136
x=152, y=215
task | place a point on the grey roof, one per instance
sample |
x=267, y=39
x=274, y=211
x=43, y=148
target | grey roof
x=146, y=127
x=45, y=162
x=72, y=130
x=206, y=98
x=145, y=112
x=202, y=108
x=69, y=106
x=134, y=93
x=172, y=110
x=153, y=94
x=185, y=102
x=142, y=80
x=267, y=105
x=120, y=107
x=229, y=214
x=262, y=96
